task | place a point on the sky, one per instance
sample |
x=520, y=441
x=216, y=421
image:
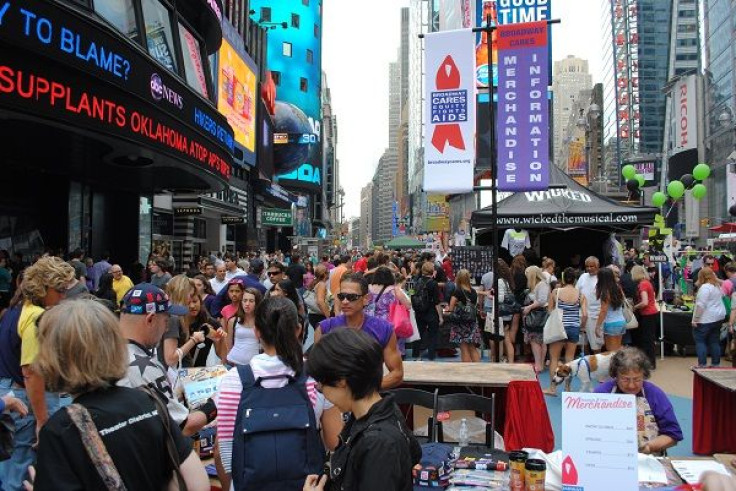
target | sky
x=359, y=41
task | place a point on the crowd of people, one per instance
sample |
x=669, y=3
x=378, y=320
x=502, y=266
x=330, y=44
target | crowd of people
x=77, y=337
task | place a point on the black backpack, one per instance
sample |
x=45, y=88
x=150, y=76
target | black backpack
x=276, y=441
x=421, y=301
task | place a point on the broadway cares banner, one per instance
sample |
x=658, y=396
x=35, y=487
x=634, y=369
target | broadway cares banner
x=449, y=146
x=522, y=131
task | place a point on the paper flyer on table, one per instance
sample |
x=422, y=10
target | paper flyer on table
x=691, y=470
x=599, y=442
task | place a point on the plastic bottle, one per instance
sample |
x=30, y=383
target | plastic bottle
x=463, y=436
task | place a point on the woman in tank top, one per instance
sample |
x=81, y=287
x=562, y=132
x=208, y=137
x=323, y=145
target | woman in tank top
x=241, y=335
x=574, y=314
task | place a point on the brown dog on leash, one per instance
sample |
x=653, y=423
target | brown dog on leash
x=586, y=369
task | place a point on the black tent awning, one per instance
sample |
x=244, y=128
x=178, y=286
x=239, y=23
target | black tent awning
x=567, y=204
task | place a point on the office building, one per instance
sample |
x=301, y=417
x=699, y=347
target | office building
x=570, y=78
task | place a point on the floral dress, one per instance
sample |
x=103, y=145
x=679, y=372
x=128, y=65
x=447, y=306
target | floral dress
x=464, y=331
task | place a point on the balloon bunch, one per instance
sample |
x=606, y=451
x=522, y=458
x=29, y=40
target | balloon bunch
x=676, y=189
x=634, y=181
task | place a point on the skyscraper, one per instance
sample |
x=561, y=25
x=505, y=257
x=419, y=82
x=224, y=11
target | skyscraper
x=645, y=43
x=570, y=78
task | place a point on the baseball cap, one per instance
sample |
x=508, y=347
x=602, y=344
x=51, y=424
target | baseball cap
x=145, y=298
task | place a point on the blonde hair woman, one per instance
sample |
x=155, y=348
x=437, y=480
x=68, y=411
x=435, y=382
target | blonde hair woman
x=463, y=321
x=537, y=299
x=708, y=316
x=82, y=352
x=176, y=342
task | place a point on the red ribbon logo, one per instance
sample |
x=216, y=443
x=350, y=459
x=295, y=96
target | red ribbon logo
x=448, y=78
x=569, y=471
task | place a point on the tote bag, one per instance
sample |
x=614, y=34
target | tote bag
x=629, y=317
x=553, y=329
x=398, y=315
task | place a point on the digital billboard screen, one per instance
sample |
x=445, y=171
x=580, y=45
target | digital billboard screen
x=237, y=83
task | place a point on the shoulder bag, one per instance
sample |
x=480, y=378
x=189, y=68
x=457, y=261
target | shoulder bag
x=508, y=305
x=310, y=300
x=463, y=312
x=629, y=317
x=554, y=330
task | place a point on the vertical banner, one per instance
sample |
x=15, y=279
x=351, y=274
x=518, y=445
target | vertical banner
x=449, y=154
x=522, y=129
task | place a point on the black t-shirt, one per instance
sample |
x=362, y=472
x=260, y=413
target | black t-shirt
x=296, y=273
x=465, y=297
x=133, y=434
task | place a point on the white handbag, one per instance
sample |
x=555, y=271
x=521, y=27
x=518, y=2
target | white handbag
x=553, y=329
x=629, y=317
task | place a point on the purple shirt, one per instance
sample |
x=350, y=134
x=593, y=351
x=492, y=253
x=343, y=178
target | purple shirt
x=661, y=406
x=379, y=329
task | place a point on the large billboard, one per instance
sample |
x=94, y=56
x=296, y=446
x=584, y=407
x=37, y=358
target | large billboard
x=237, y=85
x=295, y=60
x=502, y=12
x=683, y=127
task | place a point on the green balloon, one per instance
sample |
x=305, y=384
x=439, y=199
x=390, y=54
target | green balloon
x=659, y=198
x=675, y=189
x=701, y=172
x=641, y=180
x=699, y=191
x=628, y=171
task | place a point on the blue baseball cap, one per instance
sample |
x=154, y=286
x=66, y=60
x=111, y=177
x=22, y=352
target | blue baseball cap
x=145, y=298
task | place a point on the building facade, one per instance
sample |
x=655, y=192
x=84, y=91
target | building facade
x=366, y=215
x=570, y=78
x=143, y=120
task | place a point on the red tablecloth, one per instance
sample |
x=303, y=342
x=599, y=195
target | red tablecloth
x=714, y=417
x=527, y=419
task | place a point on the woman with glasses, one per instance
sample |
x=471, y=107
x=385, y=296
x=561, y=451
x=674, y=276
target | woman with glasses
x=353, y=298
x=657, y=424
x=376, y=449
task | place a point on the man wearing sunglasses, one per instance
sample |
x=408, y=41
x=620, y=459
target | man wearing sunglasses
x=274, y=274
x=353, y=297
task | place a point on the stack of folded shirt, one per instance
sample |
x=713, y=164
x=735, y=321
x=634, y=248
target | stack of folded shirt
x=435, y=468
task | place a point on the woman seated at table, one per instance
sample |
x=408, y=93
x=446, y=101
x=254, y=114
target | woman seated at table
x=656, y=420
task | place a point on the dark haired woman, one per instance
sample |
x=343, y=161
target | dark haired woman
x=242, y=343
x=574, y=308
x=383, y=292
x=205, y=291
x=107, y=293
x=611, y=322
x=278, y=328
x=353, y=298
x=377, y=450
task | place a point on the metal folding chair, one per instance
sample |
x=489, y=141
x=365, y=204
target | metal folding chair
x=469, y=402
x=416, y=397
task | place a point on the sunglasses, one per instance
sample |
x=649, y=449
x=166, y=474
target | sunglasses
x=350, y=297
x=273, y=273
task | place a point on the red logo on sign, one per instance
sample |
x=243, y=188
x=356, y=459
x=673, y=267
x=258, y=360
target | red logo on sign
x=448, y=78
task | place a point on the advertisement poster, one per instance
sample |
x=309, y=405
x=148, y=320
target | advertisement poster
x=449, y=155
x=502, y=12
x=577, y=167
x=236, y=94
x=522, y=131
x=599, y=442
x=438, y=214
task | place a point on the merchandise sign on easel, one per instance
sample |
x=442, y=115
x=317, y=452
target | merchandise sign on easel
x=599, y=442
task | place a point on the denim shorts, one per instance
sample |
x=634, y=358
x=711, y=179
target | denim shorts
x=616, y=328
x=573, y=334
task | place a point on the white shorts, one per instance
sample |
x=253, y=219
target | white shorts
x=595, y=342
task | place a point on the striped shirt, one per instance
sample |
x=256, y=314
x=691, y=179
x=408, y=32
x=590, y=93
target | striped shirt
x=228, y=399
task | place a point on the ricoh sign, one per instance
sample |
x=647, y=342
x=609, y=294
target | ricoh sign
x=684, y=129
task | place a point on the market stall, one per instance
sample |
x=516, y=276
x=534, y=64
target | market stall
x=564, y=214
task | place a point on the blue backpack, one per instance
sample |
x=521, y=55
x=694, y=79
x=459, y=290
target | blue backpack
x=276, y=439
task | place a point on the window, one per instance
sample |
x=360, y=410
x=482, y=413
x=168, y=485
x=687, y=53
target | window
x=120, y=14
x=303, y=84
x=192, y=52
x=310, y=56
x=200, y=228
x=265, y=14
x=295, y=20
x=316, y=31
x=276, y=76
x=286, y=49
x=159, y=35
